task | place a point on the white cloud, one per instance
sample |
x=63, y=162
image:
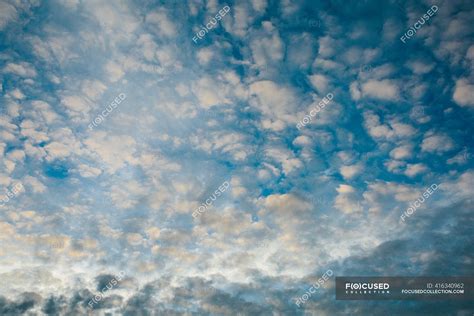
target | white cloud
x=259, y=5
x=17, y=94
x=402, y=152
x=182, y=89
x=267, y=48
x=402, y=130
x=7, y=13
x=238, y=19
x=57, y=150
x=395, y=165
x=114, y=151
x=128, y=194
x=415, y=169
x=383, y=195
x=211, y=93
x=237, y=187
x=273, y=97
x=391, y=131
x=379, y=72
x=285, y=157
x=36, y=185
x=301, y=50
x=391, y=28
x=205, y=55
x=44, y=112
x=232, y=143
x=349, y=172
x=319, y=82
x=461, y=158
x=163, y=25
x=115, y=71
x=381, y=89
x=419, y=67
x=166, y=56
x=327, y=46
x=464, y=93
x=302, y=140
x=460, y=187
x=118, y=22
x=77, y=107
x=437, y=143
x=22, y=69
x=93, y=89
x=356, y=94
x=88, y=171
x=276, y=103
x=55, y=48
x=346, y=199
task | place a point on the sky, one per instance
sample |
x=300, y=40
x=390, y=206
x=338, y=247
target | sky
x=120, y=119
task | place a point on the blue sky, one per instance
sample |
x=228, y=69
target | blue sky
x=330, y=195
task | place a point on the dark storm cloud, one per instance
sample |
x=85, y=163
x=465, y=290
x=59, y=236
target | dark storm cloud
x=443, y=238
x=105, y=279
x=55, y=306
x=109, y=302
x=25, y=302
x=142, y=303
